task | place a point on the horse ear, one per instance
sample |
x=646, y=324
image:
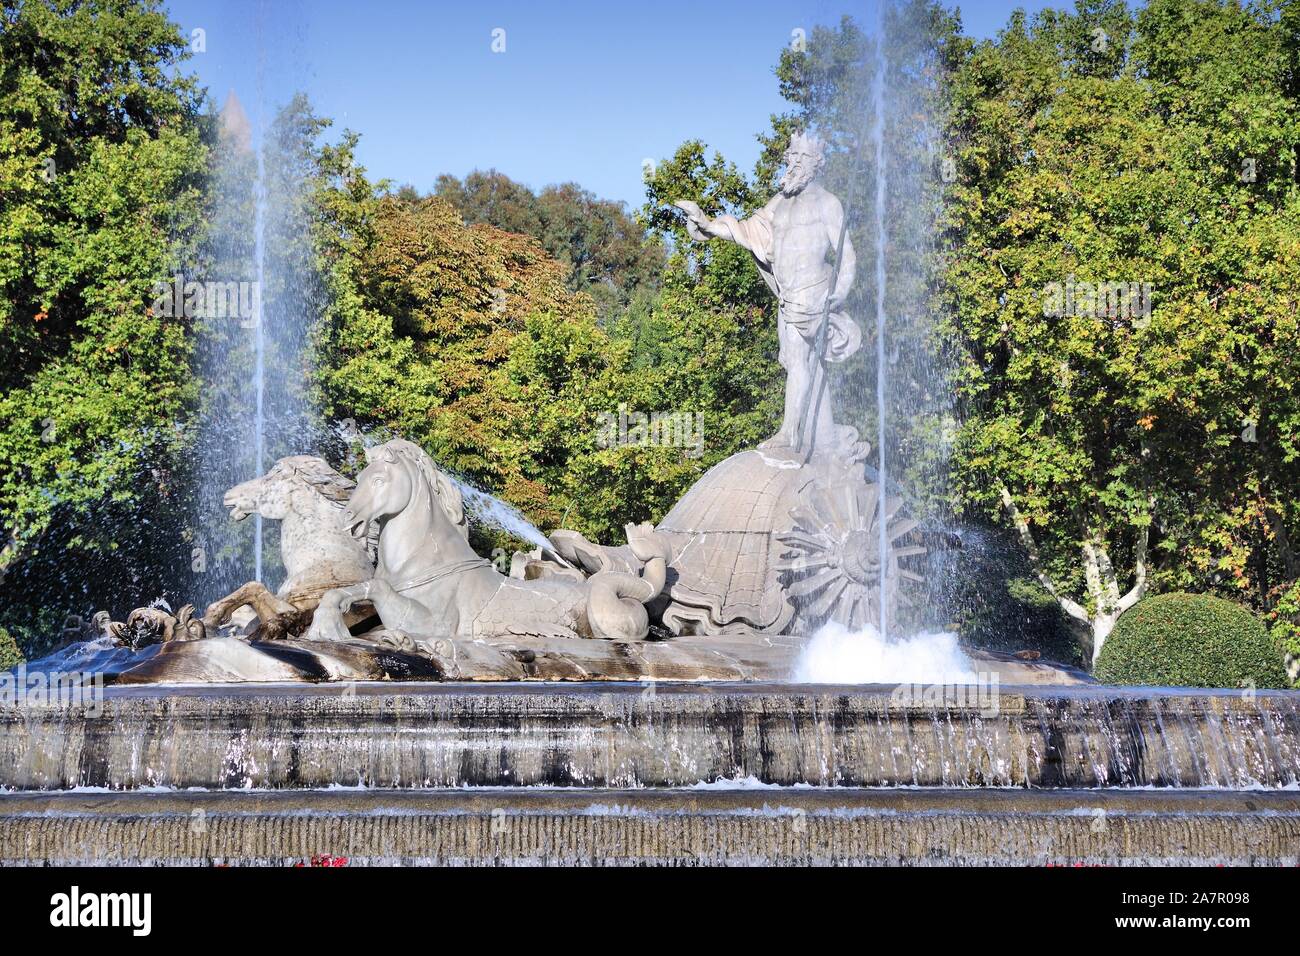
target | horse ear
x=450, y=498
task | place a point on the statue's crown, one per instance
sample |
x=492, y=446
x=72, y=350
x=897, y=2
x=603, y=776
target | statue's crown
x=808, y=143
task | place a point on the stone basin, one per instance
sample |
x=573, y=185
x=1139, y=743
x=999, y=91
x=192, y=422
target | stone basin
x=622, y=773
x=697, y=827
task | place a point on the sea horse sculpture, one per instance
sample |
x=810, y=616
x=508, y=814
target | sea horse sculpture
x=307, y=496
x=430, y=584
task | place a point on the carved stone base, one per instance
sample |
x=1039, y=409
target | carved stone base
x=766, y=543
x=713, y=658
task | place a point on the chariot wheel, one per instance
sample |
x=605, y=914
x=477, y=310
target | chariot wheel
x=831, y=570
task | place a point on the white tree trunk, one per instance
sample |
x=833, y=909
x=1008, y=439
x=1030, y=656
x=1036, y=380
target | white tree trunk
x=1102, y=625
x=1105, y=602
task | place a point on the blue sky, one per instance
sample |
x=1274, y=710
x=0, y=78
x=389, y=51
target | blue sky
x=583, y=92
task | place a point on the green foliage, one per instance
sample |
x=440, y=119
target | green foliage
x=468, y=340
x=451, y=323
x=606, y=253
x=423, y=316
x=712, y=332
x=1285, y=617
x=102, y=161
x=10, y=654
x=1191, y=640
x=1126, y=161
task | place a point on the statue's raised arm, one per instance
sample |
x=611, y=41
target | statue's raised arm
x=753, y=233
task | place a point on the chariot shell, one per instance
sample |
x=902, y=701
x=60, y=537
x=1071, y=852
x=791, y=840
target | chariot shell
x=723, y=576
x=760, y=544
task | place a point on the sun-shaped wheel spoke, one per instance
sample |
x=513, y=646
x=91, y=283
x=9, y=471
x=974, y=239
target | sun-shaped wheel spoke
x=832, y=566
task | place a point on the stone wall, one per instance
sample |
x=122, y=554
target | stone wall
x=684, y=828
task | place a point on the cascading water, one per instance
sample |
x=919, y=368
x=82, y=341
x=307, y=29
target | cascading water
x=880, y=119
x=256, y=366
x=491, y=510
x=881, y=249
x=225, y=455
x=913, y=395
x=483, y=506
x=838, y=656
x=259, y=349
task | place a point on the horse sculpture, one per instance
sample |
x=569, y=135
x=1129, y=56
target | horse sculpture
x=307, y=497
x=429, y=582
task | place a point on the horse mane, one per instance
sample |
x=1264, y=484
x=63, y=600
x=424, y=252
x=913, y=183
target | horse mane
x=331, y=486
x=441, y=489
x=321, y=478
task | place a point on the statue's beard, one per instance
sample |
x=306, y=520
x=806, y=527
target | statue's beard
x=794, y=180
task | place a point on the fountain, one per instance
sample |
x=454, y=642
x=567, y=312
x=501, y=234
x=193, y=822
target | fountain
x=882, y=284
x=249, y=417
x=765, y=548
x=398, y=698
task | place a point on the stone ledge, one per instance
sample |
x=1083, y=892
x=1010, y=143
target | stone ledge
x=700, y=827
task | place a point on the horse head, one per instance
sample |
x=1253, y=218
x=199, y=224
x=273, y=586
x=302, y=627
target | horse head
x=307, y=496
x=278, y=493
x=399, y=477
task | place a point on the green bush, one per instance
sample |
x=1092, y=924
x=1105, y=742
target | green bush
x=10, y=655
x=1191, y=640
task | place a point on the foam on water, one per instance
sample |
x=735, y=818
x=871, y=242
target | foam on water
x=836, y=655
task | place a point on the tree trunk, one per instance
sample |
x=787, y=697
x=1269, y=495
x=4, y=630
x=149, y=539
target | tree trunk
x=1102, y=625
x=1105, y=600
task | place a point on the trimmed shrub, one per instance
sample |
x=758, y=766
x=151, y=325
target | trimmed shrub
x=1191, y=640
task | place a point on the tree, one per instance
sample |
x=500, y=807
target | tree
x=607, y=254
x=10, y=654
x=426, y=318
x=102, y=163
x=713, y=327
x=469, y=340
x=1141, y=437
